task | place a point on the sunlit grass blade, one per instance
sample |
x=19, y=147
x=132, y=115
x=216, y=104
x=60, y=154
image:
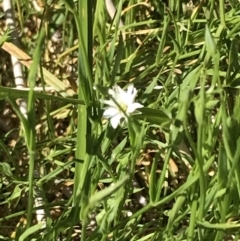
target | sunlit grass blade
x=50, y=79
x=31, y=117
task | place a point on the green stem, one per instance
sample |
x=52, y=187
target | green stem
x=222, y=12
x=30, y=133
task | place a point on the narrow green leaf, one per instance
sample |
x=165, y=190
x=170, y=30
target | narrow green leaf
x=210, y=44
x=101, y=195
x=153, y=179
x=30, y=231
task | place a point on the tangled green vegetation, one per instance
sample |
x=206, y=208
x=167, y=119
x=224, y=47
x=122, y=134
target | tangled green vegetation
x=172, y=172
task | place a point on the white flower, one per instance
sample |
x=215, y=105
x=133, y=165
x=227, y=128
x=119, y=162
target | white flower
x=121, y=105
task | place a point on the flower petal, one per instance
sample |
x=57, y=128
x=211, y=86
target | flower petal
x=120, y=94
x=109, y=112
x=133, y=107
x=131, y=94
x=111, y=92
x=108, y=102
x=130, y=89
x=115, y=121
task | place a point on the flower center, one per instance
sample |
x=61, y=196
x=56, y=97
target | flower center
x=123, y=107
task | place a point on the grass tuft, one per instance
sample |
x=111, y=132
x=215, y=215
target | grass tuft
x=171, y=171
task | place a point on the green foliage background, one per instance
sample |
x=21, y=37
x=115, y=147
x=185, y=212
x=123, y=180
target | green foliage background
x=172, y=172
